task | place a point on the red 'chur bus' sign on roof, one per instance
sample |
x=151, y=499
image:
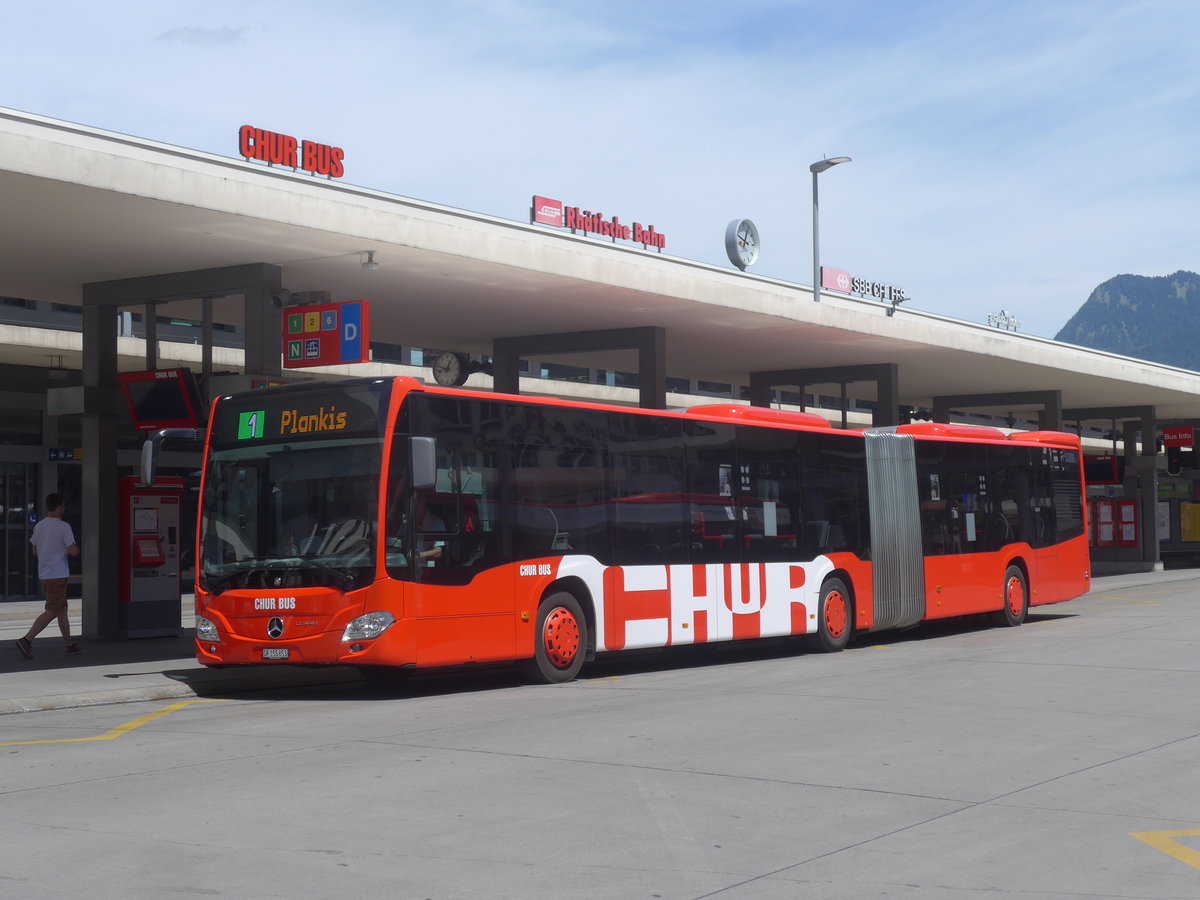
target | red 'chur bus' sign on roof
x=277, y=149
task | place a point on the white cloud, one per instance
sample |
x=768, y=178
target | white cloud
x=204, y=37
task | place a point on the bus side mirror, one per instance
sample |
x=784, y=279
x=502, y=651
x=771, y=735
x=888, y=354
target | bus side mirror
x=150, y=449
x=422, y=462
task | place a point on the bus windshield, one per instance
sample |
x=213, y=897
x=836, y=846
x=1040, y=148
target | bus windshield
x=285, y=507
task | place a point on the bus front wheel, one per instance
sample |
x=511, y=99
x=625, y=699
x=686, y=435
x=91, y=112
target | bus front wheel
x=1016, y=599
x=560, y=641
x=835, y=617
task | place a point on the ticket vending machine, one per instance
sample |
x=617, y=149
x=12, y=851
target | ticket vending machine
x=148, y=578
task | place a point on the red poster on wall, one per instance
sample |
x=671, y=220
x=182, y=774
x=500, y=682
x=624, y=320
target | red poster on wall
x=1106, y=526
x=1127, y=523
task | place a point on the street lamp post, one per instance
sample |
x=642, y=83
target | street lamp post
x=817, y=168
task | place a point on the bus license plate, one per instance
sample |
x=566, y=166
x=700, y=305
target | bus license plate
x=275, y=653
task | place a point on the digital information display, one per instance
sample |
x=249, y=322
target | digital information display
x=307, y=413
x=162, y=398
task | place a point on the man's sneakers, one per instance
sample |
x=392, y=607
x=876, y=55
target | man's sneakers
x=26, y=648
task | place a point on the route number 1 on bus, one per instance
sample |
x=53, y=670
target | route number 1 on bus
x=250, y=425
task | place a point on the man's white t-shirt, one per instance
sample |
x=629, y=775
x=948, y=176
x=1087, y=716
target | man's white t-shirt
x=51, y=537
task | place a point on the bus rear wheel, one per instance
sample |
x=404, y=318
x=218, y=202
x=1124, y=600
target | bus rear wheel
x=560, y=640
x=835, y=619
x=1016, y=599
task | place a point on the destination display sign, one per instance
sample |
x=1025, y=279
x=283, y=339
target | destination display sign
x=285, y=415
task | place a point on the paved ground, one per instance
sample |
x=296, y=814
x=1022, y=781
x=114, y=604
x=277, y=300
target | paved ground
x=1050, y=762
x=130, y=671
x=124, y=671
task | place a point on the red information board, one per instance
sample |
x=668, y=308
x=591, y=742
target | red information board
x=329, y=334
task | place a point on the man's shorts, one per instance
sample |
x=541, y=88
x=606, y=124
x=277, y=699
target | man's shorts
x=56, y=594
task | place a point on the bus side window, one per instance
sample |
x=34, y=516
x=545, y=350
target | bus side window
x=397, y=501
x=769, y=497
x=713, y=492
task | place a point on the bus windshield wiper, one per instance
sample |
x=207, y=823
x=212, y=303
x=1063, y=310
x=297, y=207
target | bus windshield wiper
x=344, y=577
x=216, y=584
x=219, y=583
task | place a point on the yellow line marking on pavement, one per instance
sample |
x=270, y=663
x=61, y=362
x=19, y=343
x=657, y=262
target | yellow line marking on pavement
x=1161, y=841
x=114, y=733
x=1122, y=599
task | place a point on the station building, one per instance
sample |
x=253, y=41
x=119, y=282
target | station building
x=120, y=254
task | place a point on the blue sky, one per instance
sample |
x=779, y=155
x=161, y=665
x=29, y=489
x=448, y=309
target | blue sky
x=1006, y=155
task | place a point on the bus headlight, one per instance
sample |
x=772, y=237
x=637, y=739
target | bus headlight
x=372, y=625
x=205, y=630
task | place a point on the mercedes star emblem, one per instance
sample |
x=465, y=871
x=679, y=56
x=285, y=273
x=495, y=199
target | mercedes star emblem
x=275, y=628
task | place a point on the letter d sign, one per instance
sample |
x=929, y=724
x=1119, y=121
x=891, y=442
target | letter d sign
x=353, y=337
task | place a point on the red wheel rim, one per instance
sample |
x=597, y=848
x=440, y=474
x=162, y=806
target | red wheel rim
x=836, y=614
x=1015, y=595
x=560, y=637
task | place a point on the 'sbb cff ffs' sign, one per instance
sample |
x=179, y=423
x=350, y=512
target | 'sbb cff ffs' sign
x=326, y=335
x=837, y=280
x=284, y=150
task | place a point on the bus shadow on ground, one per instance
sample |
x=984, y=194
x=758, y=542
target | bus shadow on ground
x=942, y=628
x=403, y=684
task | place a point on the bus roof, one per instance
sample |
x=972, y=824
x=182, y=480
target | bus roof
x=749, y=415
x=759, y=414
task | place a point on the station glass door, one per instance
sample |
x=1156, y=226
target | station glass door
x=18, y=494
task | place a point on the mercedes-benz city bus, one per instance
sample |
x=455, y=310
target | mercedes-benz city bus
x=387, y=523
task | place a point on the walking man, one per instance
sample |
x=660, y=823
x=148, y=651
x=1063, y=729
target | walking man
x=53, y=541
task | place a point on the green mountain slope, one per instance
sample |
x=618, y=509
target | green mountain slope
x=1151, y=318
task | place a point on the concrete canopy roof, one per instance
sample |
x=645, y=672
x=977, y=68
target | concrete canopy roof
x=88, y=206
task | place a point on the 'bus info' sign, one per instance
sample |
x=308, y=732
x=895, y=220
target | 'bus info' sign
x=327, y=335
x=1179, y=436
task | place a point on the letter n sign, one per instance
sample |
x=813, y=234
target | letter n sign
x=327, y=335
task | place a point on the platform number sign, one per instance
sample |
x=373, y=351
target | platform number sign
x=326, y=335
x=250, y=424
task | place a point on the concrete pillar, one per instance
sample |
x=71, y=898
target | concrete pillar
x=258, y=283
x=885, y=375
x=98, y=541
x=1050, y=416
x=650, y=343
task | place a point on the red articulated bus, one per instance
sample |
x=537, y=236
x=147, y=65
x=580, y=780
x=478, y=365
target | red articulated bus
x=386, y=523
